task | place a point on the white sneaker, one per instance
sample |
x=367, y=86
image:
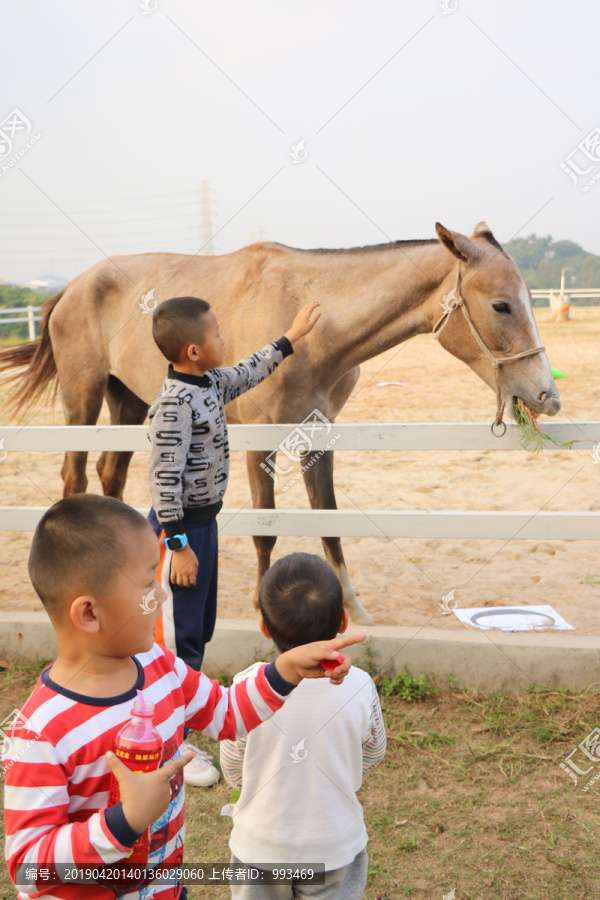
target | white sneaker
x=187, y=746
x=200, y=770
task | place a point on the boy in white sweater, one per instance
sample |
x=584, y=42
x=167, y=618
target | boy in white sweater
x=300, y=772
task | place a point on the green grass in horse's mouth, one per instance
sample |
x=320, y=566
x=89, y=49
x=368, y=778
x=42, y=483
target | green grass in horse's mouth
x=531, y=436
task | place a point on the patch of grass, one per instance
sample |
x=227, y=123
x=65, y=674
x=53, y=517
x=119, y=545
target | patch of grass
x=470, y=797
x=406, y=687
x=408, y=844
x=18, y=681
x=592, y=578
x=368, y=661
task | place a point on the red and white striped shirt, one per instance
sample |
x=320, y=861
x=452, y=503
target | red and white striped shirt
x=57, y=777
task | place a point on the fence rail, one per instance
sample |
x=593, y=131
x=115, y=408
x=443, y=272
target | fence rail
x=445, y=437
x=359, y=436
x=527, y=525
x=28, y=317
x=573, y=293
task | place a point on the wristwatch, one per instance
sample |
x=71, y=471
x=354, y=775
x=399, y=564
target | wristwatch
x=177, y=542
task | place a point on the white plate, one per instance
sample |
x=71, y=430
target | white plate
x=514, y=618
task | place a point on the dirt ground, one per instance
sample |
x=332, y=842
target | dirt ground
x=401, y=582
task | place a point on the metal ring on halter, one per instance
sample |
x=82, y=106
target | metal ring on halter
x=502, y=433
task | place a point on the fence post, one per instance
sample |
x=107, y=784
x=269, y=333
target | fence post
x=31, y=323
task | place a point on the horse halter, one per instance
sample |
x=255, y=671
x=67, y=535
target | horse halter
x=496, y=361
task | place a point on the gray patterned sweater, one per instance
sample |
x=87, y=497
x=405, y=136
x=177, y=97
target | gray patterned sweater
x=189, y=458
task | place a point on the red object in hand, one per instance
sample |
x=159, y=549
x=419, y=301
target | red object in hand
x=332, y=663
x=139, y=746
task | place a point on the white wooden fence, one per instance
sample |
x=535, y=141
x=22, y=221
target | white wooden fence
x=573, y=293
x=534, y=524
x=27, y=314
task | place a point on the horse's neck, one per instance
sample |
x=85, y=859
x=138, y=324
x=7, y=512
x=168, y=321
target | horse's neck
x=398, y=297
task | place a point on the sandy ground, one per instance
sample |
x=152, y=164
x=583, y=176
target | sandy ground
x=401, y=582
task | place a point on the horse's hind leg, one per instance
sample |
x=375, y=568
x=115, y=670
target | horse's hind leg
x=81, y=395
x=318, y=479
x=126, y=408
x=262, y=488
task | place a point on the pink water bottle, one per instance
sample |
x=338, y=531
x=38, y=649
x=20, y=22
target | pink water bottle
x=139, y=746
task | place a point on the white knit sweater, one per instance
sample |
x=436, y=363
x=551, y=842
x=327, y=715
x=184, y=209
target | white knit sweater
x=301, y=771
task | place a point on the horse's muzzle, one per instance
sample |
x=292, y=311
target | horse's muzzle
x=550, y=402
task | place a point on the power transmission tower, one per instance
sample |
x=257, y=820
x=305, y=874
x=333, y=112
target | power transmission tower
x=206, y=222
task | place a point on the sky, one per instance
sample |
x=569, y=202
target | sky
x=313, y=124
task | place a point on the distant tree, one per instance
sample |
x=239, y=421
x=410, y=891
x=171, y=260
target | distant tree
x=565, y=249
x=13, y=295
x=529, y=252
x=589, y=276
x=542, y=260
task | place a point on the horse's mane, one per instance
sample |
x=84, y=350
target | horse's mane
x=492, y=240
x=392, y=245
x=368, y=249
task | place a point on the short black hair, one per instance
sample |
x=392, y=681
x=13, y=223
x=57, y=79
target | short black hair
x=79, y=545
x=177, y=322
x=300, y=598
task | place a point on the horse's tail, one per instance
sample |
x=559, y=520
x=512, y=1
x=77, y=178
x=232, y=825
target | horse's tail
x=41, y=366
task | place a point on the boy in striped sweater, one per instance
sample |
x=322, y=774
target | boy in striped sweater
x=93, y=562
x=299, y=774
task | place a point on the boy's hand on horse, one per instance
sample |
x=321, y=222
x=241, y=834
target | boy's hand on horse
x=184, y=567
x=305, y=321
x=305, y=661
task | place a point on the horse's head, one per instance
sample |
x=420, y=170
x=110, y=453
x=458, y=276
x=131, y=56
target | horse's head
x=498, y=301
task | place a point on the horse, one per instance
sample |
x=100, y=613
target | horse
x=96, y=342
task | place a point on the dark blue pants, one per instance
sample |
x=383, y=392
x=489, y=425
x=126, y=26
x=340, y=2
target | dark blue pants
x=192, y=610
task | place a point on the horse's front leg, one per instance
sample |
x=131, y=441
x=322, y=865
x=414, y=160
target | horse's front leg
x=318, y=479
x=262, y=488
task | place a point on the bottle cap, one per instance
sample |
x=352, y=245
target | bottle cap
x=329, y=664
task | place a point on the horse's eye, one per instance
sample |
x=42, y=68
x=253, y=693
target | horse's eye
x=501, y=307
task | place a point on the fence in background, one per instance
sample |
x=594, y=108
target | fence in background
x=28, y=315
x=573, y=293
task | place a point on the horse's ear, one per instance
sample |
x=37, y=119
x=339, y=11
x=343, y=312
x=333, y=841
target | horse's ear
x=458, y=244
x=481, y=228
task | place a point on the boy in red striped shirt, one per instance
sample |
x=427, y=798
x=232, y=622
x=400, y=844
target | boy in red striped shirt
x=93, y=562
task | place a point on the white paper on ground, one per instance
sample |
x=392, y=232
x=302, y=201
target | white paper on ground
x=513, y=618
x=385, y=383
